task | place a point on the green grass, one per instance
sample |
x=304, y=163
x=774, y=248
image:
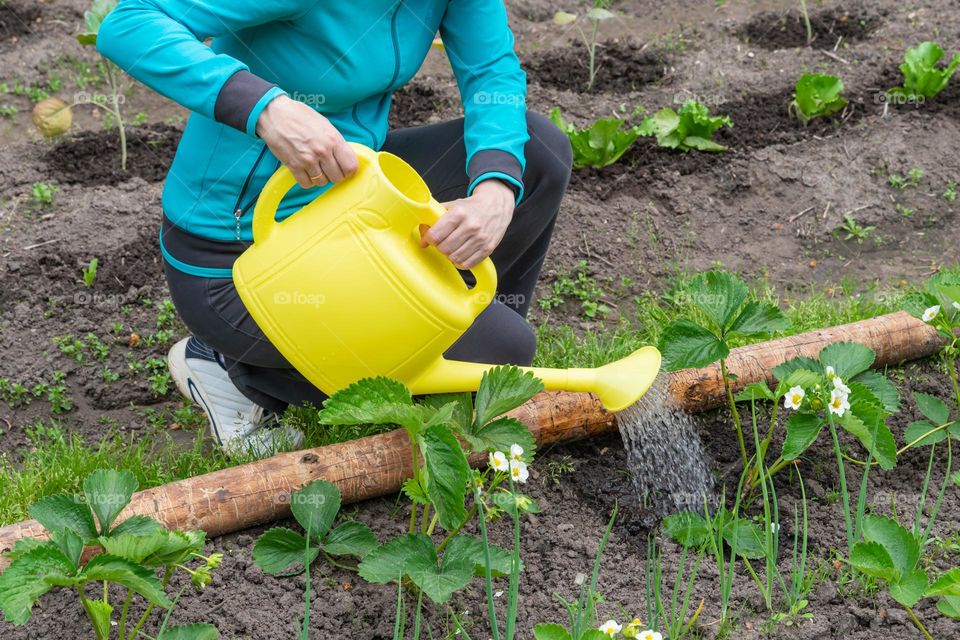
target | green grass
x=565, y=346
x=56, y=461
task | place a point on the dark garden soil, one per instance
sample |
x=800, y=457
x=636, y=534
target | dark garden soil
x=771, y=208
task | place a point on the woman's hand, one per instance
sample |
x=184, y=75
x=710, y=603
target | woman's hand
x=473, y=227
x=306, y=143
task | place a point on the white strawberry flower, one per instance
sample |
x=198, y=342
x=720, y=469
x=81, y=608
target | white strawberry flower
x=956, y=305
x=518, y=471
x=650, y=634
x=930, y=313
x=498, y=461
x=516, y=452
x=794, y=397
x=839, y=386
x=831, y=373
x=774, y=528
x=611, y=628
x=839, y=403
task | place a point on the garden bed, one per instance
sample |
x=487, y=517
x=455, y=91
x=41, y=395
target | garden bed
x=771, y=208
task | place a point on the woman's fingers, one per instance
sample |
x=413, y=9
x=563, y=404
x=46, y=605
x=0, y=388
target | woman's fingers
x=345, y=157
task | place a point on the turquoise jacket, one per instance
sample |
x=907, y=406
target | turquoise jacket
x=344, y=59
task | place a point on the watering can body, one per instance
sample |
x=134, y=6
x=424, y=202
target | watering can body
x=344, y=291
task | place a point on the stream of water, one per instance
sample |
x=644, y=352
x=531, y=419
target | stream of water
x=664, y=454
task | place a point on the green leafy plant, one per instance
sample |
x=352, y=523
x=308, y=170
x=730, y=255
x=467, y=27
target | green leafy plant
x=315, y=508
x=89, y=272
x=599, y=12
x=692, y=127
x=578, y=284
x=599, y=145
x=722, y=300
x=42, y=194
x=817, y=95
x=950, y=193
x=921, y=75
x=837, y=389
x=891, y=554
x=854, y=230
x=53, y=117
x=443, y=430
x=127, y=554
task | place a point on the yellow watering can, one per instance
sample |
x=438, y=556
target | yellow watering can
x=344, y=290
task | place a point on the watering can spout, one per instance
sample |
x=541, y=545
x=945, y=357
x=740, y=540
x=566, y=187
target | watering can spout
x=618, y=384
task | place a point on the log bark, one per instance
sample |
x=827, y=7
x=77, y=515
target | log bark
x=896, y=337
x=256, y=493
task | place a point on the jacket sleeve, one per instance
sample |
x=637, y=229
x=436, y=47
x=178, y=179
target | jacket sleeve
x=161, y=43
x=493, y=89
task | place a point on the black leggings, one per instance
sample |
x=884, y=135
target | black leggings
x=212, y=310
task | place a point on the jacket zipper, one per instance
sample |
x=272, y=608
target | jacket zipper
x=396, y=71
x=239, y=210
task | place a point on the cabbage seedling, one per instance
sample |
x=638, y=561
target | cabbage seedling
x=922, y=78
x=53, y=116
x=597, y=14
x=127, y=554
x=690, y=128
x=599, y=145
x=817, y=95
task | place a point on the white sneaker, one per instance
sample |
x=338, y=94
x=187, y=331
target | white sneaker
x=237, y=424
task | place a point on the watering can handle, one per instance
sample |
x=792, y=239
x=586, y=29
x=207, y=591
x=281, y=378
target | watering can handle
x=265, y=211
x=484, y=272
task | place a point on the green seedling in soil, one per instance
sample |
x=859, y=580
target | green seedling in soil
x=89, y=273
x=315, y=508
x=912, y=179
x=91, y=349
x=127, y=555
x=837, y=389
x=53, y=117
x=600, y=12
x=922, y=78
x=950, y=194
x=582, y=623
x=580, y=285
x=443, y=431
x=721, y=299
x=816, y=96
x=904, y=211
x=692, y=127
x=8, y=111
x=557, y=469
x=42, y=194
x=599, y=145
x=854, y=230
x=670, y=615
x=805, y=12
x=890, y=553
x=157, y=374
x=57, y=394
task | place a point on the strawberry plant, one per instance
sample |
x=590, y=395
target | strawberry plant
x=721, y=298
x=690, y=128
x=127, y=554
x=443, y=430
x=891, y=553
x=816, y=96
x=922, y=78
x=599, y=145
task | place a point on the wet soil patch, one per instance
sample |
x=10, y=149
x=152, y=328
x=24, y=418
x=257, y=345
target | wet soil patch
x=93, y=157
x=621, y=67
x=415, y=103
x=777, y=30
x=16, y=22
